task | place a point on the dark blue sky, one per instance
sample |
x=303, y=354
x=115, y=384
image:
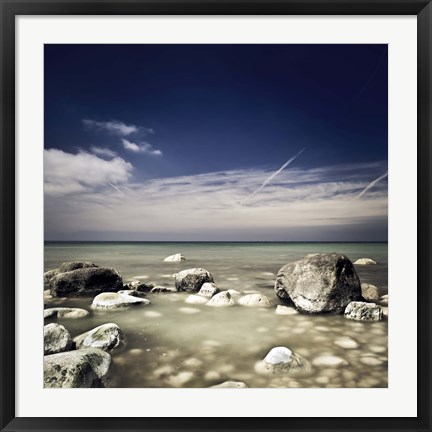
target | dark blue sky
x=205, y=108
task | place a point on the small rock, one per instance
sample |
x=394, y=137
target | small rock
x=196, y=299
x=48, y=275
x=62, y=312
x=370, y=292
x=278, y=355
x=383, y=300
x=221, y=299
x=329, y=361
x=47, y=295
x=230, y=384
x=361, y=311
x=143, y=287
x=255, y=300
x=162, y=290
x=152, y=314
x=285, y=310
x=365, y=261
x=346, y=342
x=105, y=337
x=56, y=339
x=132, y=293
x=116, y=301
x=282, y=360
x=385, y=311
x=189, y=311
x=208, y=290
x=175, y=258
x=235, y=294
x=192, y=362
x=180, y=379
x=370, y=361
x=212, y=375
x=192, y=280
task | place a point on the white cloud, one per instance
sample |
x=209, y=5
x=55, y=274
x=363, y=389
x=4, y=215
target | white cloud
x=102, y=151
x=145, y=148
x=67, y=173
x=114, y=126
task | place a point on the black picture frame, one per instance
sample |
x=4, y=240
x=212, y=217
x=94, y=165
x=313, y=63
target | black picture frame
x=12, y=8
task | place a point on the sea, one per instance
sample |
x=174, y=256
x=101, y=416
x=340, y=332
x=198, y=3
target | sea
x=170, y=343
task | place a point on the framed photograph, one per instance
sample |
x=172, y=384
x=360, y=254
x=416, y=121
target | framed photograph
x=215, y=216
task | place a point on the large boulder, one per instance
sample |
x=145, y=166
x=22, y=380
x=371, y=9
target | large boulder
x=105, y=337
x=75, y=265
x=320, y=283
x=362, y=311
x=77, y=369
x=255, y=300
x=63, y=312
x=192, y=280
x=56, y=339
x=370, y=292
x=175, y=258
x=221, y=299
x=282, y=360
x=108, y=300
x=85, y=281
x=365, y=261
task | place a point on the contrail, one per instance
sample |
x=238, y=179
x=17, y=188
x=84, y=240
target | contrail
x=371, y=184
x=269, y=179
x=115, y=187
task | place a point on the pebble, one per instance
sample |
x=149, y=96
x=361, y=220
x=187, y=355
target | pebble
x=378, y=349
x=180, y=379
x=346, y=342
x=370, y=361
x=212, y=375
x=329, y=360
x=189, y=311
x=196, y=299
x=285, y=310
x=152, y=314
x=136, y=351
x=163, y=371
x=192, y=362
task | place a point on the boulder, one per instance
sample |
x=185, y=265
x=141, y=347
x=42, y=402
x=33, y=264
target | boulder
x=230, y=384
x=282, y=360
x=321, y=283
x=105, y=337
x=77, y=369
x=56, y=339
x=255, y=300
x=365, y=261
x=175, y=258
x=370, y=292
x=196, y=299
x=223, y=298
x=362, y=311
x=63, y=312
x=208, y=290
x=161, y=289
x=116, y=301
x=75, y=265
x=192, y=280
x=85, y=282
x=48, y=275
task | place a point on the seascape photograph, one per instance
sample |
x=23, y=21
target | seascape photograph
x=215, y=216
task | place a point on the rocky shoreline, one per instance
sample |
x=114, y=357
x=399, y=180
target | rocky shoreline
x=317, y=284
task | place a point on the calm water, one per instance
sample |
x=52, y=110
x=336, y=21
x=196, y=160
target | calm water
x=173, y=344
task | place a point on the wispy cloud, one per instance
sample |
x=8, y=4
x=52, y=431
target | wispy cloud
x=143, y=147
x=102, y=151
x=113, y=126
x=371, y=184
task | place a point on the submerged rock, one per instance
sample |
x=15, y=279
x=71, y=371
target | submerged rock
x=230, y=384
x=56, y=339
x=108, y=300
x=161, y=289
x=365, y=261
x=196, y=299
x=346, y=342
x=255, y=300
x=63, y=312
x=362, y=311
x=139, y=286
x=369, y=292
x=77, y=369
x=321, y=283
x=208, y=290
x=75, y=265
x=282, y=360
x=85, y=281
x=192, y=280
x=285, y=310
x=383, y=300
x=175, y=258
x=48, y=275
x=329, y=361
x=105, y=337
x=221, y=299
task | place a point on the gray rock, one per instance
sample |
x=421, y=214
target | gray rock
x=362, y=311
x=85, y=282
x=192, y=280
x=283, y=360
x=221, y=299
x=77, y=369
x=161, y=289
x=383, y=300
x=63, y=312
x=321, y=283
x=208, y=290
x=255, y=300
x=116, y=301
x=370, y=292
x=56, y=339
x=105, y=337
x=48, y=275
x=365, y=261
x=196, y=299
x=285, y=310
x=230, y=384
x=75, y=265
x=143, y=287
x=175, y=258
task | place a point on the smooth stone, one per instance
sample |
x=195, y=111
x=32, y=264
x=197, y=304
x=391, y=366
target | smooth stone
x=132, y=293
x=329, y=360
x=152, y=314
x=255, y=300
x=175, y=258
x=105, y=337
x=189, y=311
x=221, y=299
x=321, y=283
x=142, y=287
x=370, y=361
x=281, y=360
x=234, y=293
x=192, y=362
x=212, y=375
x=378, y=349
x=285, y=310
x=56, y=339
x=180, y=379
x=208, y=290
x=196, y=299
x=162, y=290
x=62, y=312
x=361, y=311
x=278, y=355
x=230, y=384
x=163, y=371
x=385, y=311
x=48, y=275
x=116, y=301
x=365, y=261
x=370, y=292
x=346, y=342
x=383, y=300
x=77, y=369
x=191, y=280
